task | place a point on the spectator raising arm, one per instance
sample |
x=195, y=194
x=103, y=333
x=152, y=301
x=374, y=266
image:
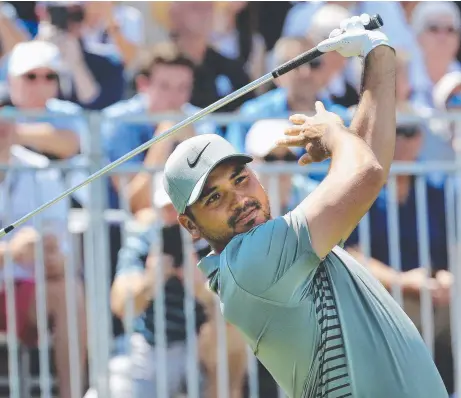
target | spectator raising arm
x=45, y=138
x=10, y=34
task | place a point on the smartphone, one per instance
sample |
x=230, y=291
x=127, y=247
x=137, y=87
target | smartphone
x=173, y=244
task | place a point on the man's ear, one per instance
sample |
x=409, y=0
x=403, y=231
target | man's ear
x=187, y=223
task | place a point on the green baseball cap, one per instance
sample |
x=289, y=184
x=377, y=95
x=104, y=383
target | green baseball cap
x=188, y=167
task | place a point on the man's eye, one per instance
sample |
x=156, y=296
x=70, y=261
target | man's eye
x=213, y=198
x=240, y=179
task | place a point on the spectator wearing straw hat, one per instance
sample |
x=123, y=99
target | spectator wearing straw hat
x=136, y=278
x=22, y=191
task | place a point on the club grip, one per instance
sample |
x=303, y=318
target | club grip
x=375, y=23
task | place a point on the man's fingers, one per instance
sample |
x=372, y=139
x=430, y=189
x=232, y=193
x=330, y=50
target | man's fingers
x=319, y=107
x=292, y=141
x=305, y=159
x=298, y=119
x=294, y=130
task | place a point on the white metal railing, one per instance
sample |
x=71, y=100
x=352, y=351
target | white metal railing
x=92, y=224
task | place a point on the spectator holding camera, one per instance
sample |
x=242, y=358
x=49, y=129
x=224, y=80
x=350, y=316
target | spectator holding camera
x=136, y=280
x=20, y=193
x=96, y=77
x=34, y=70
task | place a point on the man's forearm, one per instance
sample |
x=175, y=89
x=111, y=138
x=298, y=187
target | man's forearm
x=86, y=87
x=10, y=35
x=43, y=137
x=374, y=119
x=385, y=274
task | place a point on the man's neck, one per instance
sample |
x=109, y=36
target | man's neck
x=194, y=47
x=304, y=104
x=436, y=70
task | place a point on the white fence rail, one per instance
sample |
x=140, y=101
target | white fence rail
x=89, y=228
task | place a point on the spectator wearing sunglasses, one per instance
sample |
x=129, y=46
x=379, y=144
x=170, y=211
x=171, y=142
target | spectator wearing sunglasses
x=411, y=278
x=261, y=144
x=437, y=27
x=296, y=91
x=33, y=81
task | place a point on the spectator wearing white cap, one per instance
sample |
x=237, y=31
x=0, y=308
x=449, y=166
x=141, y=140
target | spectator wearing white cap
x=34, y=71
x=437, y=25
x=96, y=74
x=261, y=144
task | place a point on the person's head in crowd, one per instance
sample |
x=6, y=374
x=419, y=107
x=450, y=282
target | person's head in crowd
x=324, y=21
x=192, y=19
x=261, y=145
x=166, y=76
x=437, y=25
x=409, y=142
x=303, y=83
x=33, y=74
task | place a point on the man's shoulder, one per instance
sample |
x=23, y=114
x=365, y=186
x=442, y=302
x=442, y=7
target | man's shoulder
x=55, y=105
x=132, y=106
x=267, y=103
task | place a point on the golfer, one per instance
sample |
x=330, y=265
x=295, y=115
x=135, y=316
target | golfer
x=317, y=319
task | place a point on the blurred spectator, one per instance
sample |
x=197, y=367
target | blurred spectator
x=234, y=35
x=136, y=279
x=437, y=26
x=396, y=27
x=96, y=76
x=12, y=32
x=261, y=144
x=338, y=89
x=215, y=75
x=297, y=91
x=25, y=11
x=412, y=278
x=22, y=192
x=33, y=80
x=447, y=97
x=165, y=84
x=118, y=27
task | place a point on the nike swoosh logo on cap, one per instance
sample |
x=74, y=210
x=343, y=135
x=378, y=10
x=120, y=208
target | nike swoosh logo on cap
x=194, y=162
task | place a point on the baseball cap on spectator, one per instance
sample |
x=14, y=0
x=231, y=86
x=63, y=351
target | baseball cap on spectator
x=425, y=12
x=262, y=137
x=31, y=55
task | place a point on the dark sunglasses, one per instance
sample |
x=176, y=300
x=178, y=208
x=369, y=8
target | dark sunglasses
x=442, y=29
x=288, y=157
x=48, y=77
x=407, y=131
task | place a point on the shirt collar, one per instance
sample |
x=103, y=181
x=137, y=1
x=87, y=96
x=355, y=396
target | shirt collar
x=209, y=264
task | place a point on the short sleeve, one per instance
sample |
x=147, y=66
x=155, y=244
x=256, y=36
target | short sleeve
x=274, y=259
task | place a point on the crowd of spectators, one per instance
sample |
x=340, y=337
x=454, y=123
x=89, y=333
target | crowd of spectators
x=128, y=59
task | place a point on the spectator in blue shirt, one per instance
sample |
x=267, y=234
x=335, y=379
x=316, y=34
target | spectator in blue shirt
x=297, y=92
x=412, y=278
x=164, y=84
x=33, y=80
x=96, y=76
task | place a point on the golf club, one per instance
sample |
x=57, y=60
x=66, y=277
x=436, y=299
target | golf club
x=375, y=22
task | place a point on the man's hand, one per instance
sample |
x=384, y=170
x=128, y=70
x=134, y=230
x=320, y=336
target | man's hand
x=22, y=246
x=414, y=281
x=352, y=40
x=313, y=134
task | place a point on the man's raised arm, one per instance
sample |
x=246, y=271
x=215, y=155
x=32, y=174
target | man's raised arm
x=360, y=156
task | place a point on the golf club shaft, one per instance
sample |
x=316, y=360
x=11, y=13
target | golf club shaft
x=375, y=22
